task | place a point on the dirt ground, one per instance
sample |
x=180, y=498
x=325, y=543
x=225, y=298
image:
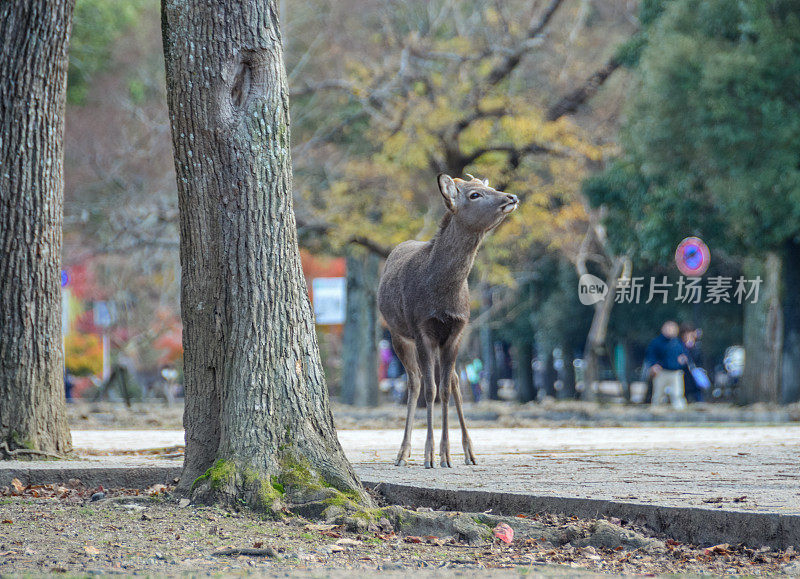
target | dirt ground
x=60, y=529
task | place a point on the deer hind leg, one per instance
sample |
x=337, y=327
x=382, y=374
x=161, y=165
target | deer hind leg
x=408, y=356
x=445, y=385
x=447, y=378
x=469, y=456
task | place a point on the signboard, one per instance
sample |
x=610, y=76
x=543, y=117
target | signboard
x=330, y=300
x=105, y=314
x=692, y=257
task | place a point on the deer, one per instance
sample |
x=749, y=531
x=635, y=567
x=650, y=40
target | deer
x=423, y=297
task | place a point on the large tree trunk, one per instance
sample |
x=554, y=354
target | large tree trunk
x=256, y=399
x=790, y=375
x=763, y=334
x=34, y=40
x=360, y=340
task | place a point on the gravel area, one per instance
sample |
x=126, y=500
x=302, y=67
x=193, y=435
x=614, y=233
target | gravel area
x=60, y=529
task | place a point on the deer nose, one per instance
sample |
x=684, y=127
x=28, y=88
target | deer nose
x=512, y=198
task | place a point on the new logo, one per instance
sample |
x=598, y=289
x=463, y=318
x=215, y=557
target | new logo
x=591, y=289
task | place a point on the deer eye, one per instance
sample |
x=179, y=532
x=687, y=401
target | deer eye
x=475, y=196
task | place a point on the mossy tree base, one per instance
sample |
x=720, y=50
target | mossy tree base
x=296, y=487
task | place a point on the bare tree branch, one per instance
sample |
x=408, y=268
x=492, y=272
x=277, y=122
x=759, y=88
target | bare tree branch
x=530, y=149
x=535, y=32
x=331, y=84
x=569, y=103
x=321, y=228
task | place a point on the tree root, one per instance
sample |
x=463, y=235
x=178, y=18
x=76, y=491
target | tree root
x=8, y=453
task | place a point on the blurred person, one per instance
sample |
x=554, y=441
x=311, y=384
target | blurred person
x=665, y=359
x=69, y=384
x=693, y=383
x=394, y=374
x=473, y=370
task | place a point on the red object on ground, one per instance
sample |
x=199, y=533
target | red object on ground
x=503, y=532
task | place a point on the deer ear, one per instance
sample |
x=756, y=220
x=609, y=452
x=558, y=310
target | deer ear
x=449, y=191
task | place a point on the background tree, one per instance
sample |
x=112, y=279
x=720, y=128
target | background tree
x=361, y=329
x=711, y=148
x=256, y=400
x=34, y=42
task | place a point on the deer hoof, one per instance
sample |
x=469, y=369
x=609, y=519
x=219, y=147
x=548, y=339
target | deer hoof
x=446, y=463
x=428, y=464
x=400, y=462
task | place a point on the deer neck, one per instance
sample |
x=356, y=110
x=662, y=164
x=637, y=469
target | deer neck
x=452, y=254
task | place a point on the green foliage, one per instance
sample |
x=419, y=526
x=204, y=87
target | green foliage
x=97, y=25
x=711, y=143
x=629, y=53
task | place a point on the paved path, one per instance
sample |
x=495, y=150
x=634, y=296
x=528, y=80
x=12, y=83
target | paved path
x=710, y=467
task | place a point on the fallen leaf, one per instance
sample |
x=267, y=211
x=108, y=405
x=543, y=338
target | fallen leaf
x=503, y=532
x=318, y=527
x=721, y=549
x=17, y=485
x=8, y=522
x=258, y=544
x=412, y=539
x=156, y=489
x=91, y=550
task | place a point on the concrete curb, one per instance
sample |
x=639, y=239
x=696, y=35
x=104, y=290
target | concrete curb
x=133, y=477
x=704, y=527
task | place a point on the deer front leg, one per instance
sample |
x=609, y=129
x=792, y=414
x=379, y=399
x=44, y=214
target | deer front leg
x=425, y=359
x=408, y=356
x=469, y=456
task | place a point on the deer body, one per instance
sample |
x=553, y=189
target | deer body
x=424, y=299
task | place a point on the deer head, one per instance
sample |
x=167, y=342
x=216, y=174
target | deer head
x=474, y=205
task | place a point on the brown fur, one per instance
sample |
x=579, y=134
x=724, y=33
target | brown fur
x=424, y=298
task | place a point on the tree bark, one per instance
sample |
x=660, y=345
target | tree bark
x=790, y=374
x=524, y=378
x=256, y=398
x=763, y=334
x=360, y=339
x=34, y=41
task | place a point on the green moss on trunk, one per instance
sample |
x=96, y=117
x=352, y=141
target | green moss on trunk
x=296, y=485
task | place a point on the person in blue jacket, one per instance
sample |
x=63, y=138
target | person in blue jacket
x=665, y=359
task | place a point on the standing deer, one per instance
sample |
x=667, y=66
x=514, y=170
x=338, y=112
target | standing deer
x=424, y=298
